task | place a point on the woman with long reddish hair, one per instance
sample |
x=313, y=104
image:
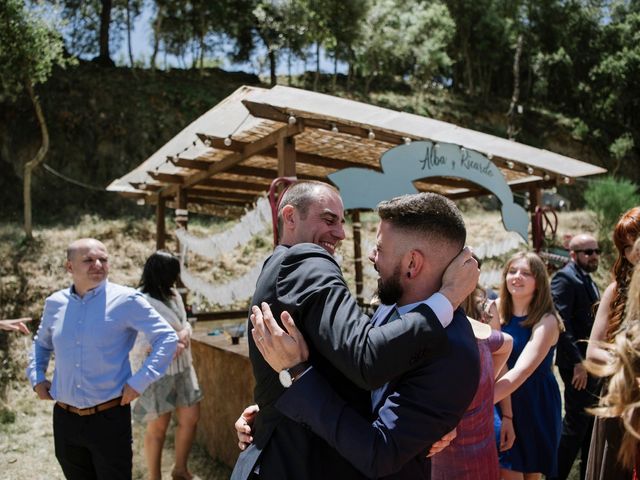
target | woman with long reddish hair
x=608, y=432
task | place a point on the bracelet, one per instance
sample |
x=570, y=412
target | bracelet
x=510, y=417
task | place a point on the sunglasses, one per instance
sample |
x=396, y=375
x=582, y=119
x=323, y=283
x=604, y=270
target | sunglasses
x=589, y=251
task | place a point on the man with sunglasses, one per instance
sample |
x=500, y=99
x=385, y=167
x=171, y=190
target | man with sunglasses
x=574, y=294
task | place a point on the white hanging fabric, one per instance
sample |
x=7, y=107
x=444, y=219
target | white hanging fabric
x=254, y=222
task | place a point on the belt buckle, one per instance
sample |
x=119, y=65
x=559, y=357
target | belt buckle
x=86, y=411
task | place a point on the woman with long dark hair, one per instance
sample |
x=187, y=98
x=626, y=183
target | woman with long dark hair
x=178, y=390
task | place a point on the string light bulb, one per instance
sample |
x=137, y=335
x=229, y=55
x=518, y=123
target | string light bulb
x=407, y=140
x=566, y=180
x=334, y=128
x=371, y=135
x=207, y=142
x=510, y=164
x=530, y=170
x=490, y=156
x=227, y=141
x=292, y=120
x=546, y=177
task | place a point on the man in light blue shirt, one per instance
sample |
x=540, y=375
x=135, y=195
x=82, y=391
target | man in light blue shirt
x=90, y=327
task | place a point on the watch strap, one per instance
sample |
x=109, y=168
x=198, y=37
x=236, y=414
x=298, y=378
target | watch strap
x=298, y=370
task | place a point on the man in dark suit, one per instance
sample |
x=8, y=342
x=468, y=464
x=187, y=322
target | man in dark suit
x=417, y=238
x=303, y=278
x=574, y=294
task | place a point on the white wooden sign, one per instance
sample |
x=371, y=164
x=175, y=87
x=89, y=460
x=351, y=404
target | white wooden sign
x=364, y=188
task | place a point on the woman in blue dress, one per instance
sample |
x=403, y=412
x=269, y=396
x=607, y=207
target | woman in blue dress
x=528, y=315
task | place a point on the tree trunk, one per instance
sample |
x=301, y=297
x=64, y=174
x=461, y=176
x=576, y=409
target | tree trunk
x=272, y=68
x=289, y=75
x=334, y=80
x=468, y=67
x=512, y=128
x=32, y=164
x=316, y=77
x=104, y=58
x=129, y=33
x=157, y=24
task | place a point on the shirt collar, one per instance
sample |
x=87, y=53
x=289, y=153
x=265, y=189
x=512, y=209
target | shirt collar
x=91, y=293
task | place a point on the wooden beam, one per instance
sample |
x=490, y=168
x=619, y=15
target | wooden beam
x=233, y=159
x=235, y=185
x=206, y=193
x=269, y=112
x=286, y=157
x=221, y=202
x=192, y=164
x=311, y=159
x=161, y=230
x=167, y=177
x=357, y=255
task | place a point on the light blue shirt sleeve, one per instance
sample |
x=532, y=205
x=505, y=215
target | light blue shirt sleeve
x=162, y=338
x=41, y=348
x=438, y=303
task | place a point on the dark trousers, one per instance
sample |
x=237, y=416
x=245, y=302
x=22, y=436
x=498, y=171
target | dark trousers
x=94, y=446
x=576, y=424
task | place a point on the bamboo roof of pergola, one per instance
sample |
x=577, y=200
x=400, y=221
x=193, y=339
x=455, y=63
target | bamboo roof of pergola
x=228, y=157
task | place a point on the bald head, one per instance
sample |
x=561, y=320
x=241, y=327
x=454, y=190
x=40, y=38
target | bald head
x=585, y=252
x=583, y=240
x=88, y=264
x=83, y=244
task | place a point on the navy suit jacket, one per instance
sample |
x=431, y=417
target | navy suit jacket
x=412, y=412
x=574, y=299
x=343, y=346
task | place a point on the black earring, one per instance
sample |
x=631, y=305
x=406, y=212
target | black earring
x=408, y=274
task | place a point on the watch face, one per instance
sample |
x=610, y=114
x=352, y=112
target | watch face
x=285, y=378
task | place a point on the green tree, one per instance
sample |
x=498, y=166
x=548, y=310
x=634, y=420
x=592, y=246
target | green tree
x=403, y=38
x=609, y=197
x=29, y=50
x=95, y=27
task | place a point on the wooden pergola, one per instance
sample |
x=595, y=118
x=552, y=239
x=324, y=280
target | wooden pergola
x=228, y=157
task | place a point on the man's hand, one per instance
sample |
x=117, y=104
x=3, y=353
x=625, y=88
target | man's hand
x=579, y=380
x=128, y=395
x=244, y=426
x=42, y=390
x=460, y=278
x=443, y=443
x=507, y=434
x=281, y=349
x=16, y=325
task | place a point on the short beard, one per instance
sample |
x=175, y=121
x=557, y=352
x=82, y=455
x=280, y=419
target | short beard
x=390, y=291
x=587, y=267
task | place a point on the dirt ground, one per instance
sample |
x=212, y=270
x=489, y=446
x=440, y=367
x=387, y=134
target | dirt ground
x=26, y=444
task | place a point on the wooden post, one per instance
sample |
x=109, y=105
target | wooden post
x=286, y=157
x=535, y=199
x=161, y=229
x=182, y=221
x=357, y=255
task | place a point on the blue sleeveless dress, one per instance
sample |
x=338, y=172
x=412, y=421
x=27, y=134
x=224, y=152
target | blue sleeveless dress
x=537, y=416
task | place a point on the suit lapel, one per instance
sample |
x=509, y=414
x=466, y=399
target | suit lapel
x=384, y=315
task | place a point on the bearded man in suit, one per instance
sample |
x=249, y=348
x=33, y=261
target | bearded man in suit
x=574, y=295
x=303, y=278
x=417, y=238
